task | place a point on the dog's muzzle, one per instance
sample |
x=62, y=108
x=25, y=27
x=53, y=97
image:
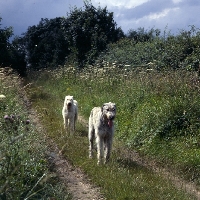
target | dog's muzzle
x=111, y=118
x=69, y=105
x=110, y=121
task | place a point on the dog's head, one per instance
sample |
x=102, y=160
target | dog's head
x=109, y=112
x=68, y=101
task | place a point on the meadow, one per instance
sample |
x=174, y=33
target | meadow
x=157, y=116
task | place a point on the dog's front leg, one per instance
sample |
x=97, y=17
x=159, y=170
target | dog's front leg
x=100, y=150
x=71, y=126
x=66, y=125
x=65, y=121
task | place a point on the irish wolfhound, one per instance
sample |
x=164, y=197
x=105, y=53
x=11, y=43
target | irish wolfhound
x=70, y=114
x=101, y=127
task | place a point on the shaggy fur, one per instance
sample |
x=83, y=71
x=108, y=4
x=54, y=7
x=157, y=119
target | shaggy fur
x=70, y=114
x=101, y=127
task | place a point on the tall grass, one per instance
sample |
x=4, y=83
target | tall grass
x=24, y=170
x=157, y=115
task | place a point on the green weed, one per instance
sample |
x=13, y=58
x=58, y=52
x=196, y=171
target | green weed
x=24, y=170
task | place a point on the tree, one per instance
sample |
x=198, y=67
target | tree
x=11, y=54
x=142, y=35
x=91, y=30
x=17, y=55
x=5, y=34
x=79, y=37
x=45, y=43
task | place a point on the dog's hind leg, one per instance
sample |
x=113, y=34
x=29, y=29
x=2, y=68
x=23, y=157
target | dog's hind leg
x=108, y=146
x=91, y=141
x=75, y=120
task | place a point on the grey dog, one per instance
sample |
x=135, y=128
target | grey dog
x=101, y=128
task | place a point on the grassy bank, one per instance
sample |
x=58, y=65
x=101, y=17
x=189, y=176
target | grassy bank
x=24, y=170
x=157, y=115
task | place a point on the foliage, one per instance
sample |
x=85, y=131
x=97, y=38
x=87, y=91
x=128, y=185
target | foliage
x=91, y=30
x=140, y=35
x=45, y=43
x=17, y=56
x=24, y=171
x=135, y=94
x=153, y=50
x=88, y=34
x=11, y=53
x=5, y=34
x=81, y=35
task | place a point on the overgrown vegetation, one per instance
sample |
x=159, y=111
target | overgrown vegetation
x=157, y=50
x=24, y=171
x=157, y=115
x=88, y=34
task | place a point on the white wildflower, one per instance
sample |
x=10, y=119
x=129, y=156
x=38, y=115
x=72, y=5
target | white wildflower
x=2, y=96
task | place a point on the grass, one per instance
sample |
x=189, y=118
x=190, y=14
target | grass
x=24, y=170
x=157, y=115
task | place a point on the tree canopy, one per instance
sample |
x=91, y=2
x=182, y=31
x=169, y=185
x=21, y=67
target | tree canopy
x=80, y=37
x=5, y=34
x=11, y=53
x=45, y=43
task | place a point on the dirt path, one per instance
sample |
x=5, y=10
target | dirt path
x=76, y=181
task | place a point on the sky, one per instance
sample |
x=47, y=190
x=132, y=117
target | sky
x=166, y=15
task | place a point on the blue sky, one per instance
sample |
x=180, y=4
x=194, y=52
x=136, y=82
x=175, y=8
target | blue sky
x=173, y=15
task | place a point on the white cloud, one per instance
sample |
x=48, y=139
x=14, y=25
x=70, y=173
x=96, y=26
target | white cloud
x=21, y=14
x=128, y=14
x=121, y=4
x=154, y=17
x=159, y=20
x=177, y=1
x=162, y=14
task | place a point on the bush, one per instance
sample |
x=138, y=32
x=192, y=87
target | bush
x=157, y=51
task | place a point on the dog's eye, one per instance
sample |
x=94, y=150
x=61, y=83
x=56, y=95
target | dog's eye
x=107, y=109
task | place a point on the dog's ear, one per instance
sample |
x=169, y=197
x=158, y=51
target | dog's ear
x=114, y=105
x=102, y=107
